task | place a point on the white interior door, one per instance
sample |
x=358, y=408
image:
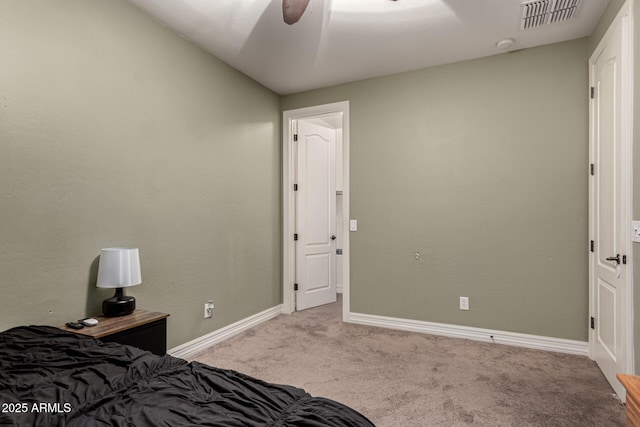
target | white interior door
x=609, y=217
x=315, y=215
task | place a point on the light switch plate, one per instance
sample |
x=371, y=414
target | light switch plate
x=353, y=225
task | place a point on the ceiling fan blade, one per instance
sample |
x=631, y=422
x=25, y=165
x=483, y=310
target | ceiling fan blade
x=292, y=10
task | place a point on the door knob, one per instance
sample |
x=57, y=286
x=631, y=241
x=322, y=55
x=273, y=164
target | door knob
x=333, y=237
x=615, y=258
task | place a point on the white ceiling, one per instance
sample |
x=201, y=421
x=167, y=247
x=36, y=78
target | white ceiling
x=338, y=41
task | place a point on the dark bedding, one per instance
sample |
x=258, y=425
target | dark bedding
x=49, y=377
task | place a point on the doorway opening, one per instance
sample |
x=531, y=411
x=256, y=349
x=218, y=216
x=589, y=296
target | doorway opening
x=333, y=118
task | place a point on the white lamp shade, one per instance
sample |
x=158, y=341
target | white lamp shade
x=119, y=268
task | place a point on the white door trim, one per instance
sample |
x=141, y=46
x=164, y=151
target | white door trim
x=288, y=206
x=625, y=18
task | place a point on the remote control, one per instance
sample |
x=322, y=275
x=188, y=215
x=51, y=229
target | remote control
x=74, y=325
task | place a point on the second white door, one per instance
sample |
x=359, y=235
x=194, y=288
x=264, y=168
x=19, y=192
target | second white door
x=609, y=218
x=315, y=215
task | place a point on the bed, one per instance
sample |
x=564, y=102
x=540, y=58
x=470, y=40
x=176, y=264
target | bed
x=49, y=377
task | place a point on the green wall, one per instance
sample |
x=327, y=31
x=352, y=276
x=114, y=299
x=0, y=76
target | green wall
x=115, y=131
x=636, y=179
x=481, y=167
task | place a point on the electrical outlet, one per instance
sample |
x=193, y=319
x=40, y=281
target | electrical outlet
x=208, y=309
x=635, y=231
x=464, y=303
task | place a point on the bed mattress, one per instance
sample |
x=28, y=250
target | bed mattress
x=49, y=377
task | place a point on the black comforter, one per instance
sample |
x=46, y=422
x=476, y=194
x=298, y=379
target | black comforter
x=49, y=377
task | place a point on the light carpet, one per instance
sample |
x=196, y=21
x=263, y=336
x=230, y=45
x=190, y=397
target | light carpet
x=398, y=378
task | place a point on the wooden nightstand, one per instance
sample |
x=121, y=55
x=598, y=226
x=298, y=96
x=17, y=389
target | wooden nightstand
x=143, y=329
x=632, y=384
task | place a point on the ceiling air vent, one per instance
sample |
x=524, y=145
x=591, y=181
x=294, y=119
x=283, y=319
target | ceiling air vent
x=544, y=12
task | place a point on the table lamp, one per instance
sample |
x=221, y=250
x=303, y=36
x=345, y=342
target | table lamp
x=119, y=268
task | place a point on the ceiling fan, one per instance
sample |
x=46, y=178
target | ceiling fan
x=292, y=10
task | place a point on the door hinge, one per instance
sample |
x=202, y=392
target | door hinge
x=592, y=245
x=295, y=187
x=295, y=286
x=624, y=259
x=593, y=92
x=593, y=322
x=295, y=236
x=592, y=169
x=295, y=137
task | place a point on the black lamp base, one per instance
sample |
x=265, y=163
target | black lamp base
x=118, y=305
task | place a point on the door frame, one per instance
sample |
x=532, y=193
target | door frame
x=624, y=18
x=289, y=117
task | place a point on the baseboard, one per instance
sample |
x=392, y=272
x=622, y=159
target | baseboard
x=487, y=335
x=197, y=345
